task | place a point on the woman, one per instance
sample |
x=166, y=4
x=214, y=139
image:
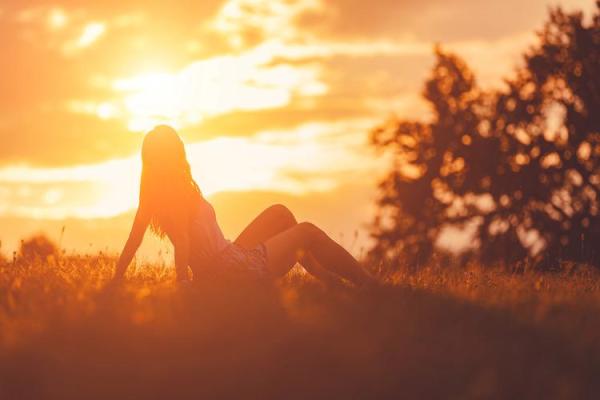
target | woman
x=171, y=204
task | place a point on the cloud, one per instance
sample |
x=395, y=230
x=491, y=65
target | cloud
x=52, y=17
x=142, y=63
x=210, y=87
x=57, y=18
x=42, y=85
x=248, y=22
x=313, y=157
x=430, y=20
x=91, y=32
x=278, y=67
x=58, y=29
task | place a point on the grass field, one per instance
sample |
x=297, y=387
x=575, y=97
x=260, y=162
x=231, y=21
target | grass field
x=437, y=333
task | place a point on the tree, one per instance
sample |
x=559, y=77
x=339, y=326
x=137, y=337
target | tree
x=413, y=197
x=553, y=103
x=519, y=163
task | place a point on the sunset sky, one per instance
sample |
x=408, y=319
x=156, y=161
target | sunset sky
x=273, y=98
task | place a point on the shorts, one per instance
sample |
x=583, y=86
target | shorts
x=235, y=258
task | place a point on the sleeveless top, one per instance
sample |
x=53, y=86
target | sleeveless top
x=206, y=238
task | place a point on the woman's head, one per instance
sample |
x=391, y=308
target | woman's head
x=167, y=186
x=163, y=150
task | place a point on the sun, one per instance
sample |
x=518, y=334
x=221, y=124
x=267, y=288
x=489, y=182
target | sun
x=210, y=87
x=185, y=97
x=154, y=98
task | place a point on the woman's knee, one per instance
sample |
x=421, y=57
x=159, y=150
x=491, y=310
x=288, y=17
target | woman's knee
x=282, y=214
x=311, y=232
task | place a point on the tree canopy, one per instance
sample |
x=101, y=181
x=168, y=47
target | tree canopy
x=519, y=165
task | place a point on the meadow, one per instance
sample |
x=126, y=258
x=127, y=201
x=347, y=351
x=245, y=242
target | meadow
x=439, y=332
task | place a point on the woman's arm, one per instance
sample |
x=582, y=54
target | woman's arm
x=140, y=224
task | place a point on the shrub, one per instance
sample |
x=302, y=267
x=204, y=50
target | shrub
x=37, y=247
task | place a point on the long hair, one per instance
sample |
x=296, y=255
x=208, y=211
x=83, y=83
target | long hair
x=167, y=189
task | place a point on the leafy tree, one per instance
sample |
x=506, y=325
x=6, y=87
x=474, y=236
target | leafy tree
x=521, y=164
x=414, y=201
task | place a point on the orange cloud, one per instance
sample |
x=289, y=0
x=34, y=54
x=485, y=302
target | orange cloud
x=353, y=62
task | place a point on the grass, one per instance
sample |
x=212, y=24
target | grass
x=437, y=333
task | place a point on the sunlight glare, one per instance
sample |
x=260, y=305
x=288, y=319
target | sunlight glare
x=211, y=87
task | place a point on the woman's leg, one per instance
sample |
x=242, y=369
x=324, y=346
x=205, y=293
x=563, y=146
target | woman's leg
x=272, y=221
x=286, y=248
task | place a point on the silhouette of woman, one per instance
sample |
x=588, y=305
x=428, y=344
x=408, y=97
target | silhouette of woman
x=171, y=204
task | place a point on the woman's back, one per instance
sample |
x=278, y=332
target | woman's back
x=205, y=235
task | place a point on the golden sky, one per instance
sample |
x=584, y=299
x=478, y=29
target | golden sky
x=271, y=96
